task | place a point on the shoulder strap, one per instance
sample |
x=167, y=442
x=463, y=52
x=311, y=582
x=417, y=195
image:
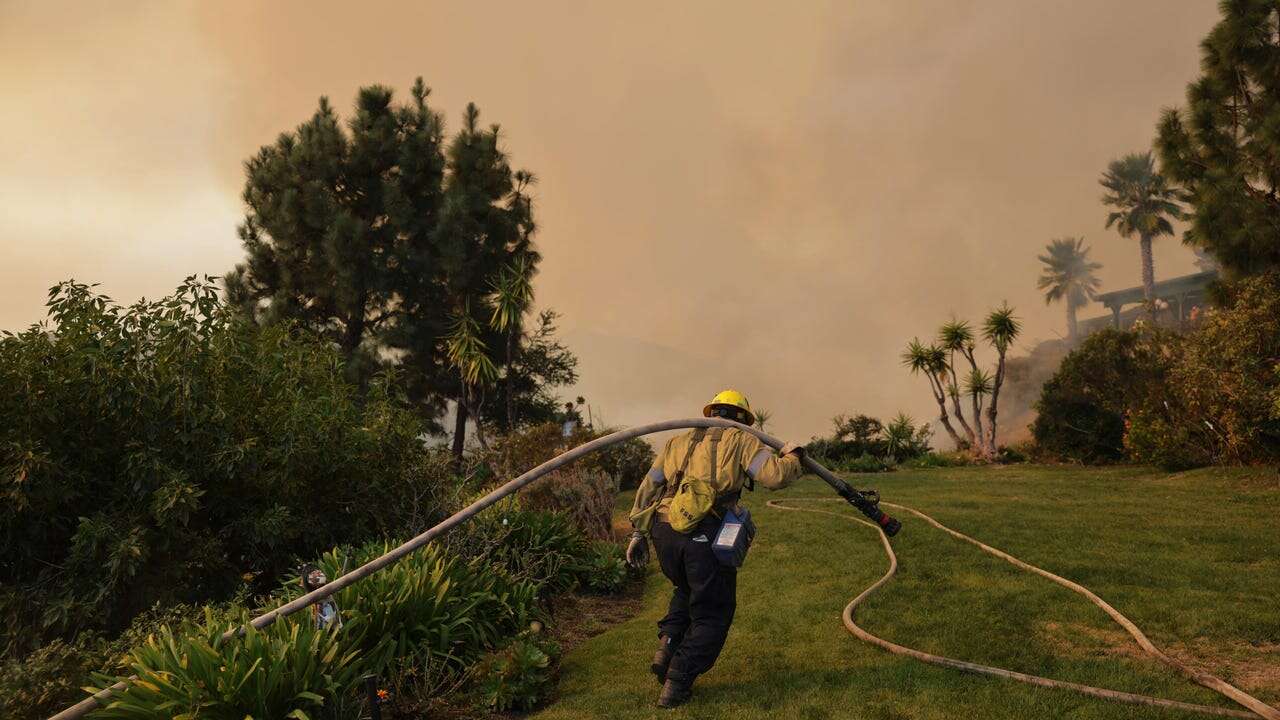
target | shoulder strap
x=715, y=435
x=694, y=442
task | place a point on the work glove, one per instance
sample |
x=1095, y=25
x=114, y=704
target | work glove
x=792, y=448
x=638, y=551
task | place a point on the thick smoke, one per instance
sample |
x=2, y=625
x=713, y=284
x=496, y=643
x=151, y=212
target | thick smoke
x=755, y=195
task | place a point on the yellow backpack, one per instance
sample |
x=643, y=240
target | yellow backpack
x=692, y=498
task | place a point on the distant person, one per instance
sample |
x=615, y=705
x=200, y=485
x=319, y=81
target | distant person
x=571, y=420
x=692, y=490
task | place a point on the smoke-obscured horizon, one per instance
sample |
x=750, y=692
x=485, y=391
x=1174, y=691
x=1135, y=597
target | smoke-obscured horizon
x=731, y=194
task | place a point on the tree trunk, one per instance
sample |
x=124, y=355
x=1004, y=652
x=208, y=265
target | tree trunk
x=954, y=392
x=991, y=409
x=953, y=389
x=977, y=407
x=354, y=331
x=511, y=402
x=940, y=396
x=459, y=434
x=1148, y=278
x=476, y=412
x=1072, y=328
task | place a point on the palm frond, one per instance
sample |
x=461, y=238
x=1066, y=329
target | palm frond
x=1001, y=327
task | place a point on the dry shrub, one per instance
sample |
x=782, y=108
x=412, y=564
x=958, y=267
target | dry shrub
x=585, y=494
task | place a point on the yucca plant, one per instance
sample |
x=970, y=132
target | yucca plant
x=931, y=361
x=999, y=329
x=903, y=440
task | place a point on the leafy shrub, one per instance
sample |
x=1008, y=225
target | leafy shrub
x=429, y=608
x=940, y=460
x=518, y=676
x=1218, y=401
x=156, y=453
x=433, y=614
x=626, y=462
x=864, y=444
x=1011, y=454
x=903, y=440
x=865, y=464
x=281, y=671
x=1177, y=401
x=1082, y=408
x=48, y=679
x=606, y=570
x=586, y=495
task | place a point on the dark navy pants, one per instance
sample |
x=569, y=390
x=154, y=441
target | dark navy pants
x=702, y=601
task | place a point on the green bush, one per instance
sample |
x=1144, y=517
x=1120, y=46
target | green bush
x=606, y=571
x=865, y=464
x=518, y=676
x=48, y=679
x=1217, y=405
x=627, y=462
x=282, y=671
x=159, y=452
x=1083, y=407
x=864, y=444
x=940, y=460
x=433, y=614
x=1177, y=401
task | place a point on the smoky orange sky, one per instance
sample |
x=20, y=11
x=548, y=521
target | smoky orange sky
x=769, y=196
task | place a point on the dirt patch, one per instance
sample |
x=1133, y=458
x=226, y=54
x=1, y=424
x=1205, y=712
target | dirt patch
x=575, y=618
x=1252, y=668
x=1079, y=640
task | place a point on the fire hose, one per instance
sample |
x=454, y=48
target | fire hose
x=1258, y=708
x=863, y=501
x=867, y=502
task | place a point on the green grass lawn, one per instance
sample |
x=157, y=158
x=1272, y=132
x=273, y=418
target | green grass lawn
x=1192, y=558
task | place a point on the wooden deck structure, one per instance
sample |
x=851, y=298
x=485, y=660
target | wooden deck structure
x=1182, y=295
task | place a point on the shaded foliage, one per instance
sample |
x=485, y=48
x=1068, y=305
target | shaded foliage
x=1178, y=401
x=1082, y=408
x=1223, y=147
x=160, y=452
x=861, y=443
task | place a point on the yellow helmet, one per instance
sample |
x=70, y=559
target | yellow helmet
x=731, y=399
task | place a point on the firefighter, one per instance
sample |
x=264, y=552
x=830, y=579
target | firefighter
x=697, y=478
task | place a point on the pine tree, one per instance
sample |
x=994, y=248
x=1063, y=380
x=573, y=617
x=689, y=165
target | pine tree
x=338, y=220
x=1223, y=148
x=390, y=242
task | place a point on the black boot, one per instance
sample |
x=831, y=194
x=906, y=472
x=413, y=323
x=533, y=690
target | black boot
x=662, y=658
x=675, y=692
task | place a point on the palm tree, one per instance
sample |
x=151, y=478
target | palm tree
x=1068, y=276
x=762, y=416
x=469, y=356
x=956, y=336
x=931, y=361
x=1000, y=329
x=511, y=294
x=1144, y=205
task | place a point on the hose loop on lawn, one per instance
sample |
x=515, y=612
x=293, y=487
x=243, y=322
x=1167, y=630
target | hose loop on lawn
x=1256, y=708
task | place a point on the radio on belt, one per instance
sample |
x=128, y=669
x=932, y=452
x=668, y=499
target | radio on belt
x=734, y=537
